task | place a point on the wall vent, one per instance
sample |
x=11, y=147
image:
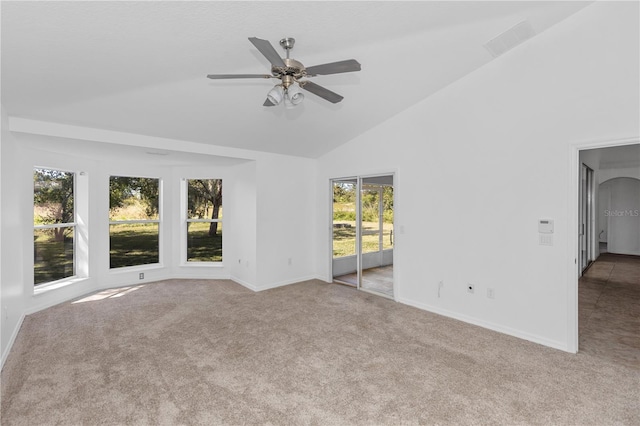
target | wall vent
x=510, y=38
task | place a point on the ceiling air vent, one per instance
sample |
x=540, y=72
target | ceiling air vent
x=510, y=38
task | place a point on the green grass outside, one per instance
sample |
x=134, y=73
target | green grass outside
x=344, y=237
x=137, y=244
x=133, y=244
x=130, y=245
x=52, y=260
x=200, y=246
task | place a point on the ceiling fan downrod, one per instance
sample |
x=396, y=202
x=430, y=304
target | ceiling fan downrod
x=287, y=44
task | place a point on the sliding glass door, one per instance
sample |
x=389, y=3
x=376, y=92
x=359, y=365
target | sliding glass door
x=362, y=223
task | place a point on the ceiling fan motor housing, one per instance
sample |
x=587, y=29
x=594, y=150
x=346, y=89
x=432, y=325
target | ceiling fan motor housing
x=291, y=72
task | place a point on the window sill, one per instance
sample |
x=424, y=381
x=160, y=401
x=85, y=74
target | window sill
x=125, y=269
x=55, y=285
x=201, y=265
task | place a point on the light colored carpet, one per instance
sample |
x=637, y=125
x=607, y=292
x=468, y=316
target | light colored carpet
x=212, y=352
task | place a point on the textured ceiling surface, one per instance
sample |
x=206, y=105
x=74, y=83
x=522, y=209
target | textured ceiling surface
x=141, y=67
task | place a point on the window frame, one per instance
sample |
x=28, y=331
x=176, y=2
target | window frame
x=185, y=220
x=157, y=221
x=47, y=285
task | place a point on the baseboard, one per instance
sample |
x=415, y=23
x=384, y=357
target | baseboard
x=243, y=283
x=12, y=340
x=203, y=276
x=632, y=253
x=488, y=325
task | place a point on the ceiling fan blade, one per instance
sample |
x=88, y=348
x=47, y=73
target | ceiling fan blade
x=321, y=91
x=267, y=103
x=348, y=65
x=226, y=76
x=268, y=51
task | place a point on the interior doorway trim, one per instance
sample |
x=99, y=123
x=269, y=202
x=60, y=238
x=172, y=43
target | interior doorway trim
x=573, y=230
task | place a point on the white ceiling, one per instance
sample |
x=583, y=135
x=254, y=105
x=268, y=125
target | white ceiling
x=141, y=67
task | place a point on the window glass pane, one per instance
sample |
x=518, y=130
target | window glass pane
x=133, y=198
x=52, y=197
x=204, y=242
x=344, y=218
x=370, y=219
x=133, y=244
x=204, y=198
x=387, y=217
x=53, y=254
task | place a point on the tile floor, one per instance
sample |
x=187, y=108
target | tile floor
x=609, y=309
x=377, y=279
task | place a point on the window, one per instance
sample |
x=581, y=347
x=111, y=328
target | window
x=134, y=221
x=54, y=225
x=204, y=220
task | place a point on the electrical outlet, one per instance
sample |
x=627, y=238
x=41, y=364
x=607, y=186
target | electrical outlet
x=490, y=293
x=440, y=285
x=470, y=288
x=290, y=261
x=141, y=275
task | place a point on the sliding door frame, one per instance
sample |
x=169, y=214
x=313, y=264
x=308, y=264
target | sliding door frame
x=359, y=179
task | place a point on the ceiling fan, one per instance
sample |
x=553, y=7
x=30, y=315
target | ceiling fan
x=291, y=72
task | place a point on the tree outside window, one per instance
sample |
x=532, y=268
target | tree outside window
x=204, y=220
x=134, y=221
x=54, y=224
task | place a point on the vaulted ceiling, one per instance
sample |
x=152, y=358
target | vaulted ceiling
x=140, y=67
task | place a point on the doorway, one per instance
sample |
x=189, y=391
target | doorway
x=608, y=249
x=362, y=233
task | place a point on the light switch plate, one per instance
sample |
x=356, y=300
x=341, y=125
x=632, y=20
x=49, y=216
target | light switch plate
x=546, y=239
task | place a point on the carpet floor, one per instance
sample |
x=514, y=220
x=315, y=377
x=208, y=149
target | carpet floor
x=211, y=352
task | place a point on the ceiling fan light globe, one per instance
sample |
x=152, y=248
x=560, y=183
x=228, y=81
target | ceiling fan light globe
x=287, y=103
x=295, y=94
x=275, y=95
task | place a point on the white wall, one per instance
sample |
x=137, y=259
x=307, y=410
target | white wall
x=12, y=247
x=606, y=174
x=496, y=153
x=604, y=196
x=242, y=221
x=620, y=210
x=286, y=209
